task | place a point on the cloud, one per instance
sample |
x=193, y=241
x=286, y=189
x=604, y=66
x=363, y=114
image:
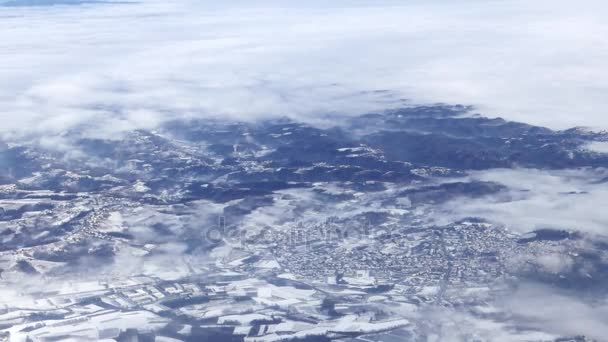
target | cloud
x=555, y=263
x=537, y=199
x=96, y=68
x=457, y=325
x=597, y=146
x=532, y=312
x=558, y=312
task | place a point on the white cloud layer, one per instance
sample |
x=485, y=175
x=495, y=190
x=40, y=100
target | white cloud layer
x=536, y=199
x=122, y=66
x=558, y=312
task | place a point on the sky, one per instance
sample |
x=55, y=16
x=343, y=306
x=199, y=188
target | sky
x=107, y=68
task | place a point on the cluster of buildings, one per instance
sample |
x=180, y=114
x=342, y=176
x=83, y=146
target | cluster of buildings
x=462, y=254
